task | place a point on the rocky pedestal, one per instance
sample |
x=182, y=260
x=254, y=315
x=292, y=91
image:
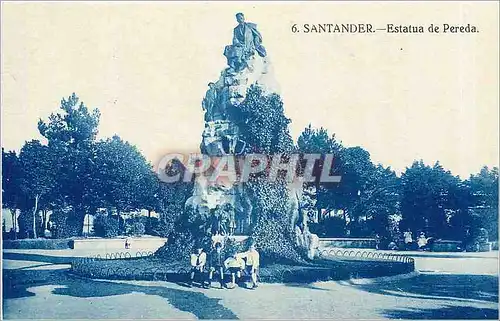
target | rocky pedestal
x=221, y=136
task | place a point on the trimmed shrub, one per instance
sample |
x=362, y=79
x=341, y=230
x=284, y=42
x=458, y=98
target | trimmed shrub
x=42, y=244
x=189, y=231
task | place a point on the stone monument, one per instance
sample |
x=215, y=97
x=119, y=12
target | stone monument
x=247, y=64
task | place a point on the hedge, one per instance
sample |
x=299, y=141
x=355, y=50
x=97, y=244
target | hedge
x=42, y=244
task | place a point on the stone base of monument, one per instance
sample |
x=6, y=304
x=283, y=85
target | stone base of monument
x=235, y=238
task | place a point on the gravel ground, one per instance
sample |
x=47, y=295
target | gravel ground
x=37, y=286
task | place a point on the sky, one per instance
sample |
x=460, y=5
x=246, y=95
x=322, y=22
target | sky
x=146, y=66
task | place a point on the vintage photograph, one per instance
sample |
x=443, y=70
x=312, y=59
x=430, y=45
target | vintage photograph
x=250, y=160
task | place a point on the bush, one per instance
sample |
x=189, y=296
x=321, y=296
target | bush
x=275, y=242
x=135, y=226
x=25, y=223
x=66, y=223
x=232, y=246
x=329, y=227
x=190, y=230
x=181, y=244
x=42, y=244
x=271, y=216
x=161, y=228
x=106, y=225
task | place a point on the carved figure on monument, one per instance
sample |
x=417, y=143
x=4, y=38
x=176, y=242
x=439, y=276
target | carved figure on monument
x=209, y=130
x=209, y=102
x=233, y=145
x=243, y=209
x=234, y=56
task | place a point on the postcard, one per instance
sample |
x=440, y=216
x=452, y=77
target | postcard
x=250, y=160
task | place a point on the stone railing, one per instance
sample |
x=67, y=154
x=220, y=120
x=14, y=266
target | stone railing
x=357, y=243
x=446, y=246
x=360, y=254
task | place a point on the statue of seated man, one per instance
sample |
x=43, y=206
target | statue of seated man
x=246, y=40
x=246, y=35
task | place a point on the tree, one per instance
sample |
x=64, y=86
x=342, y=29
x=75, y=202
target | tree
x=38, y=175
x=378, y=200
x=75, y=126
x=124, y=179
x=171, y=198
x=354, y=166
x=367, y=194
x=428, y=194
x=72, y=133
x=484, y=190
x=318, y=141
x=356, y=170
x=11, y=189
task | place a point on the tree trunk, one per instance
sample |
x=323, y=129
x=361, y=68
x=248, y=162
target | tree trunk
x=35, y=210
x=149, y=222
x=44, y=219
x=13, y=212
x=74, y=225
x=119, y=221
x=80, y=221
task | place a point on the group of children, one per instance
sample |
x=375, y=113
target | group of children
x=235, y=264
x=422, y=240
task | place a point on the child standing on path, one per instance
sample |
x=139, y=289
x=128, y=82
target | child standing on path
x=252, y=263
x=198, y=261
x=216, y=265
